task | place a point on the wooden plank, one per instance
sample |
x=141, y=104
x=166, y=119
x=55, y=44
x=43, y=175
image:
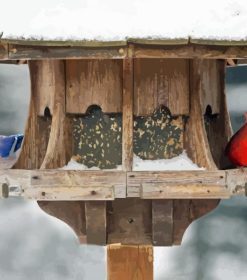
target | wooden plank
x=49, y=78
x=196, y=141
x=162, y=221
x=93, y=82
x=72, y=213
x=55, y=52
x=236, y=180
x=71, y=193
x=191, y=51
x=3, y=50
x=177, y=185
x=96, y=222
x=129, y=262
x=130, y=221
x=210, y=87
x=169, y=184
x=184, y=191
x=127, y=125
x=161, y=82
x=218, y=127
x=37, y=129
x=76, y=185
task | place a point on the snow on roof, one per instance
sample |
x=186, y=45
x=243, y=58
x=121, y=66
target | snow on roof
x=111, y=20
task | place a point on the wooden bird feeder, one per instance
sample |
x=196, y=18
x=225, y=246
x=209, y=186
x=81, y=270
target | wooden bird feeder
x=102, y=102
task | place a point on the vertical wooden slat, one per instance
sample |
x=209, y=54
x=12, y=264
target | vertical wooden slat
x=129, y=262
x=95, y=212
x=127, y=136
x=162, y=218
x=196, y=141
x=93, y=82
x=161, y=82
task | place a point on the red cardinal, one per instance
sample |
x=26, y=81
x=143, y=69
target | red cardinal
x=236, y=149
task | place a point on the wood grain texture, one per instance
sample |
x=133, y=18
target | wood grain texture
x=3, y=50
x=162, y=222
x=130, y=221
x=77, y=185
x=93, y=82
x=37, y=128
x=55, y=52
x=191, y=51
x=218, y=127
x=127, y=123
x=59, y=148
x=72, y=213
x=161, y=82
x=210, y=87
x=196, y=141
x=32, y=50
x=236, y=180
x=177, y=184
x=129, y=262
x=186, y=211
x=46, y=84
x=96, y=222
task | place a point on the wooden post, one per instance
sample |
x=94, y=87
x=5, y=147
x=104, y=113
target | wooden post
x=129, y=262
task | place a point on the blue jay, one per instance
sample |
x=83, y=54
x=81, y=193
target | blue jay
x=10, y=144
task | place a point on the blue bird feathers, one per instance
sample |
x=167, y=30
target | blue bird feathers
x=10, y=144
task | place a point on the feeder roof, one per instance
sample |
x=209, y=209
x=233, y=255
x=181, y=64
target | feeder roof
x=111, y=22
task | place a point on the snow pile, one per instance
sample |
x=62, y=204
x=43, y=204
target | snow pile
x=111, y=20
x=181, y=162
x=74, y=165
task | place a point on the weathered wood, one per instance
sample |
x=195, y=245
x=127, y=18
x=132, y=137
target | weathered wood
x=209, y=90
x=236, y=180
x=186, y=211
x=47, y=82
x=127, y=123
x=56, y=52
x=161, y=82
x=37, y=128
x=196, y=141
x=129, y=262
x=3, y=50
x=176, y=184
x=96, y=222
x=59, y=148
x=148, y=185
x=131, y=221
x=43, y=50
x=162, y=222
x=218, y=127
x=183, y=191
x=72, y=213
x=191, y=51
x=93, y=82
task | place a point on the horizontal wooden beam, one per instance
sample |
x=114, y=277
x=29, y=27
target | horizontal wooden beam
x=55, y=184
x=191, y=51
x=62, y=52
x=15, y=50
x=177, y=184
